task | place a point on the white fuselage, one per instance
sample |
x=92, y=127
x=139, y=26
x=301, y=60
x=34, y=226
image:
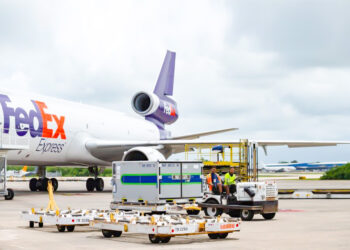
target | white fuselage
x=61, y=132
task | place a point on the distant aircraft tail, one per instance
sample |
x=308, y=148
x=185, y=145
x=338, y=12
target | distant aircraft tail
x=24, y=169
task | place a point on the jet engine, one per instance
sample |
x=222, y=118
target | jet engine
x=143, y=154
x=153, y=107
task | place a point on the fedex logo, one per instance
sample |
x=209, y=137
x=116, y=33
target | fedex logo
x=169, y=109
x=24, y=121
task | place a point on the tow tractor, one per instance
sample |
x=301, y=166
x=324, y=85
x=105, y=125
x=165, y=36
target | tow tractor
x=250, y=198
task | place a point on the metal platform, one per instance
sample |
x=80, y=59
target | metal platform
x=314, y=193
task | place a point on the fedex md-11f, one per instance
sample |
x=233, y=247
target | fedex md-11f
x=54, y=132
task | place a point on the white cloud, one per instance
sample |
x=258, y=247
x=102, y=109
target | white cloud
x=274, y=70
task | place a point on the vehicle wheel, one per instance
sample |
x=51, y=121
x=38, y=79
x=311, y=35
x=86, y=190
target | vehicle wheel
x=41, y=224
x=213, y=236
x=54, y=182
x=269, y=216
x=10, y=194
x=211, y=211
x=247, y=215
x=165, y=239
x=234, y=213
x=32, y=184
x=107, y=233
x=70, y=228
x=99, y=183
x=153, y=238
x=117, y=233
x=193, y=212
x=61, y=228
x=223, y=235
x=90, y=184
x=31, y=224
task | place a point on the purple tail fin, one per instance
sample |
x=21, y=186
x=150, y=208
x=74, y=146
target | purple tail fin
x=165, y=82
x=158, y=107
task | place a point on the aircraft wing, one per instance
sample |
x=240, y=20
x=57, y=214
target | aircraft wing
x=178, y=146
x=198, y=135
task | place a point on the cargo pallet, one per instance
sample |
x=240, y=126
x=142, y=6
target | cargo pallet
x=160, y=228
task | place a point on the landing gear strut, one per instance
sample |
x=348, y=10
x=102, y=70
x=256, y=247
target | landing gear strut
x=92, y=183
x=41, y=183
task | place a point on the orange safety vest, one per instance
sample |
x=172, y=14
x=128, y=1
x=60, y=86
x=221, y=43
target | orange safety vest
x=210, y=181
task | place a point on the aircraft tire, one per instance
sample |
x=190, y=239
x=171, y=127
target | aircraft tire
x=90, y=184
x=10, y=194
x=44, y=184
x=99, y=184
x=54, y=182
x=32, y=184
x=70, y=228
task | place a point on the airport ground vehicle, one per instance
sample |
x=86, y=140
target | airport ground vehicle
x=249, y=199
x=160, y=228
x=4, y=191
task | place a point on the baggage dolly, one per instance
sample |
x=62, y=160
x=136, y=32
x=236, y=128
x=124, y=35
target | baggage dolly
x=160, y=228
x=66, y=219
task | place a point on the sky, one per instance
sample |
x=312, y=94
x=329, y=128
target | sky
x=274, y=69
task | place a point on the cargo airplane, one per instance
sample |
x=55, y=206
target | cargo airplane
x=56, y=132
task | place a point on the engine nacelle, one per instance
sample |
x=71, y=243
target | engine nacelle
x=143, y=154
x=153, y=107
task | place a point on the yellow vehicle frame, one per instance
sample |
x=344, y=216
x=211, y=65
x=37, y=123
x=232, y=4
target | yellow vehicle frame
x=233, y=154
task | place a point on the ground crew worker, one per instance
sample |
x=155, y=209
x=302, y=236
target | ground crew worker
x=230, y=180
x=214, y=181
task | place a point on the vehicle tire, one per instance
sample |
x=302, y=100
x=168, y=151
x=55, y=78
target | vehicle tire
x=31, y=224
x=54, y=182
x=99, y=184
x=70, y=228
x=41, y=224
x=117, y=233
x=61, y=228
x=268, y=216
x=234, y=213
x=32, y=184
x=10, y=194
x=223, y=235
x=247, y=215
x=153, y=239
x=107, y=233
x=193, y=212
x=210, y=211
x=90, y=184
x=213, y=236
x=165, y=239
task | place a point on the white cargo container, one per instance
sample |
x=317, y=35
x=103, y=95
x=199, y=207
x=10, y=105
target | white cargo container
x=156, y=182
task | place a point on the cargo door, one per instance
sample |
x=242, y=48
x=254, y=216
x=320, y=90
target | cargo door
x=136, y=181
x=170, y=180
x=192, y=180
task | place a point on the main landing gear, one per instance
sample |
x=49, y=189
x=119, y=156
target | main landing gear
x=40, y=184
x=92, y=183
